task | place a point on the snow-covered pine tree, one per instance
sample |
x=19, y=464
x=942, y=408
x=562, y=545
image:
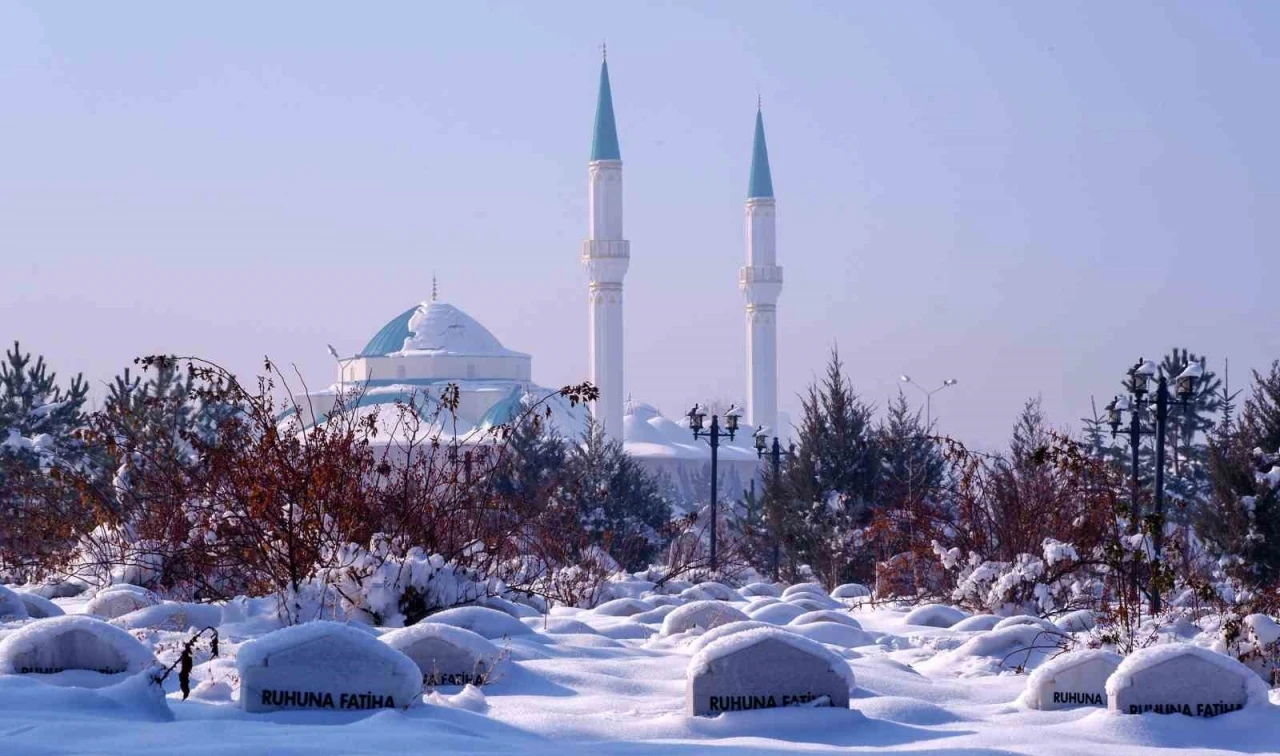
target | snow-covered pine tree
x=619, y=504
x=911, y=472
x=39, y=445
x=1260, y=419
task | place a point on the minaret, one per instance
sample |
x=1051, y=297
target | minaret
x=606, y=255
x=761, y=282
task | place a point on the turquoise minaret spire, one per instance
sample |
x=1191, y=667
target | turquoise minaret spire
x=604, y=144
x=761, y=186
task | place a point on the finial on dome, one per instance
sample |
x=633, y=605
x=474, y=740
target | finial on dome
x=435, y=289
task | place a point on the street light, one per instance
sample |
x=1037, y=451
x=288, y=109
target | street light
x=1185, y=387
x=697, y=416
x=928, y=396
x=775, y=455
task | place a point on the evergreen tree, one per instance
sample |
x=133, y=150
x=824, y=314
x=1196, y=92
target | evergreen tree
x=912, y=469
x=619, y=504
x=1260, y=419
x=833, y=477
x=39, y=426
x=534, y=462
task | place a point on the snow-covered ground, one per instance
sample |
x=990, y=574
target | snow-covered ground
x=597, y=683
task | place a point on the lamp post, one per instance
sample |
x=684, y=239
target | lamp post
x=928, y=396
x=1139, y=400
x=697, y=416
x=775, y=456
x=342, y=368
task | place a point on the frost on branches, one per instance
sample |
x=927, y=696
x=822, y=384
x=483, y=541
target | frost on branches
x=1029, y=584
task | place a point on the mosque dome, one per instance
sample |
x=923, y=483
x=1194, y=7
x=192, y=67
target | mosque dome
x=435, y=328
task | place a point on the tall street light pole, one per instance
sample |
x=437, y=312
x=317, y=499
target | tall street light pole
x=1185, y=386
x=696, y=419
x=928, y=396
x=775, y=456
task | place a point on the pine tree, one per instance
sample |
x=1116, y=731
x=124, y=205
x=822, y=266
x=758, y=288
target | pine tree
x=39, y=445
x=1260, y=419
x=833, y=477
x=533, y=463
x=619, y=504
x=912, y=469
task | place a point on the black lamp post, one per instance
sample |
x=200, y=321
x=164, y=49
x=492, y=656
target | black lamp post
x=696, y=418
x=1184, y=386
x=775, y=456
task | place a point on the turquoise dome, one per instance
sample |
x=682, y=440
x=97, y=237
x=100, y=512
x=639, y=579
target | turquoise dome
x=391, y=337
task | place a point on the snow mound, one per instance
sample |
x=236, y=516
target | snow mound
x=118, y=600
x=132, y=699
x=850, y=591
x=760, y=602
x=519, y=611
x=934, y=615
x=701, y=615
x=732, y=644
x=559, y=626
x=39, y=607
x=72, y=642
x=1153, y=656
x=811, y=603
x=826, y=615
x=654, y=616
x=815, y=589
x=11, y=606
x=835, y=634
x=724, y=631
x=719, y=591
x=1009, y=648
x=1026, y=619
x=174, y=616
x=780, y=613
x=976, y=623
x=761, y=589
x=623, y=607
x=1265, y=629
x=694, y=593
x=1077, y=621
x=489, y=623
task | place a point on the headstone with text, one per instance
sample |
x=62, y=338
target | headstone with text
x=326, y=666
x=1071, y=680
x=1179, y=678
x=446, y=655
x=72, y=643
x=765, y=668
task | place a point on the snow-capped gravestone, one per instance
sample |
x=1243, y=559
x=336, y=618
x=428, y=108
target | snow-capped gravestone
x=700, y=615
x=446, y=655
x=118, y=600
x=324, y=665
x=765, y=668
x=1075, y=679
x=72, y=642
x=1179, y=678
x=11, y=606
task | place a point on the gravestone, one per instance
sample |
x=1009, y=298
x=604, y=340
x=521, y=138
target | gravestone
x=446, y=655
x=72, y=642
x=1178, y=678
x=765, y=668
x=39, y=607
x=324, y=665
x=11, y=606
x=700, y=615
x=1075, y=679
x=118, y=600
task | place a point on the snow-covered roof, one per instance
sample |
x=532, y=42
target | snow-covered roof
x=436, y=328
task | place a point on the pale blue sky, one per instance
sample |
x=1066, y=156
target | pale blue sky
x=1023, y=196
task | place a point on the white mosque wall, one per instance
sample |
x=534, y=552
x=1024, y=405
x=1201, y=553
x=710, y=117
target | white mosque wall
x=410, y=366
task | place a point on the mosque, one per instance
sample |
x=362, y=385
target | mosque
x=432, y=345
